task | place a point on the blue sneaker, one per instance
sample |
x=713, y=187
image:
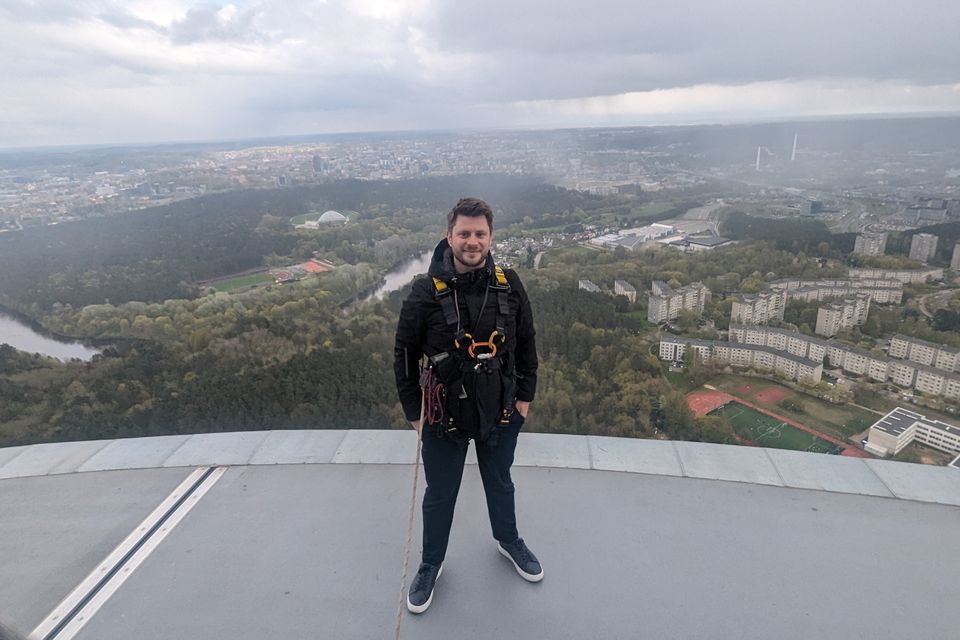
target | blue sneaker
x=523, y=560
x=420, y=594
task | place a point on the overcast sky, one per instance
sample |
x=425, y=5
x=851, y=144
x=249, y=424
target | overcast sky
x=107, y=71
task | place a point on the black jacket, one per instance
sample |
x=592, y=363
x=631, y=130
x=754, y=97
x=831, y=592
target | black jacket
x=423, y=330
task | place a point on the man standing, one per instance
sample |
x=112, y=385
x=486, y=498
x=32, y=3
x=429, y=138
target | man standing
x=471, y=322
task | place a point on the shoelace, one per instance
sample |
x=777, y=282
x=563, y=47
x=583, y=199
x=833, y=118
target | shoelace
x=523, y=555
x=424, y=576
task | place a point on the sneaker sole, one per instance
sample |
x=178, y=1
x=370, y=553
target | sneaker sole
x=529, y=577
x=413, y=608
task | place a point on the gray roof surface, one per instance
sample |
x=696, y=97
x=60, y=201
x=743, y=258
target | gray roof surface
x=900, y=419
x=925, y=343
x=304, y=535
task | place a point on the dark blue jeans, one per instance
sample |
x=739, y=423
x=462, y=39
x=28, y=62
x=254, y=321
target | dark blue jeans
x=443, y=459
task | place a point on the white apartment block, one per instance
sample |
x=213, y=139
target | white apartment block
x=955, y=260
x=880, y=291
x=906, y=276
x=587, y=285
x=894, y=431
x=903, y=374
x=842, y=314
x=758, y=308
x=792, y=342
x=870, y=244
x=666, y=303
x=939, y=356
x=876, y=366
x=743, y=355
x=923, y=246
x=624, y=288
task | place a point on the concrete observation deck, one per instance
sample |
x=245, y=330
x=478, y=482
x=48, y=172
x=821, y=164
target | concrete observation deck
x=302, y=534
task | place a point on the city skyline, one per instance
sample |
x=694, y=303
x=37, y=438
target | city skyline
x=106, y=72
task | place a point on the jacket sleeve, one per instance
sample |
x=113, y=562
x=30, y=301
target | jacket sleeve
x=407, y=351
x=526, y=348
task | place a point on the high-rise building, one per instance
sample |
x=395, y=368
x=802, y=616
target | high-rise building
x=955, y=261
x=870, y=244
x=842, y=314
x=758, y=308
x=666, y=303
x=923, y=247
x=624, y=288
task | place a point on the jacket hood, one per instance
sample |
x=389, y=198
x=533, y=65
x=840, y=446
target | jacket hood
x=441, y=266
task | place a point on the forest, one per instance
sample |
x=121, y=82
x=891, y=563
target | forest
x=184, y=359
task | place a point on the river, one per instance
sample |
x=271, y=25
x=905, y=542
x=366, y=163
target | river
x=403, y=273
x=23, y=337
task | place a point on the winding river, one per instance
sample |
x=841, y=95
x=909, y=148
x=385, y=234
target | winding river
x=23, y=337
x=402, y=274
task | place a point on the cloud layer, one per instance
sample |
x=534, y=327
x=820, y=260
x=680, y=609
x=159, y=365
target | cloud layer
x=89, y=71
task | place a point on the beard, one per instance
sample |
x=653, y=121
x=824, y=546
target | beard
x=471, y=260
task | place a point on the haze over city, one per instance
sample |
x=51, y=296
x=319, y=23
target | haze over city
x=107, y=72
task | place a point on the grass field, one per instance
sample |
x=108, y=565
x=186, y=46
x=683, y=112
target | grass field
x=241, y=282
x=838, y=420
x=770, y=432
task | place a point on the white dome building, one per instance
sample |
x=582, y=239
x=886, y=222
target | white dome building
x=332, y=217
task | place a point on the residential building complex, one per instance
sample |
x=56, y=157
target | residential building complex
x=842, y=314
x=906, y=276
x=894, y=431
x=923, y=246
x=881, y=291
x=874, y=365
x=870, y=244
x=743, y=355
x=931, y=354
x=758, y=308
x=666, y=303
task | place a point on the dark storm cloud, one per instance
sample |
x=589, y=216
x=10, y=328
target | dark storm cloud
x=170, y=69
x=567, y=48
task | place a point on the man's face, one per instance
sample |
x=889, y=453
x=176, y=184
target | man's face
x=470, y=241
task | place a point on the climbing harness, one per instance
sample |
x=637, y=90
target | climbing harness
x=478, y=357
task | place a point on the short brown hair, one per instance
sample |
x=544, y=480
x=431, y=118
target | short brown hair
x=472, y=208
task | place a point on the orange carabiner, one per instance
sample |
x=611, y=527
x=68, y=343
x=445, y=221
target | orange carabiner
x=489, y=345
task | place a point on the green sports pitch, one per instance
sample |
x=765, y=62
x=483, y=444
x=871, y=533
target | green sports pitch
x=771, y=432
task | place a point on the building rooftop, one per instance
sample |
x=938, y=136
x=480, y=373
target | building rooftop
x=900, y=419
x=292, y=534
x=926, y=343
x=707, y=241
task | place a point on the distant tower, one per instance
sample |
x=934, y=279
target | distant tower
x=758, y=158
x=955, y=261
x=793, y=154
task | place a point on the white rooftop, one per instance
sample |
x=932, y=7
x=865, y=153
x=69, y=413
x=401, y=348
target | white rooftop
x=297, y=534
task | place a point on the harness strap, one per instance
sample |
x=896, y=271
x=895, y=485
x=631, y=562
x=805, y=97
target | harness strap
x=451, y=315
x=502, y=287
x=449, y=306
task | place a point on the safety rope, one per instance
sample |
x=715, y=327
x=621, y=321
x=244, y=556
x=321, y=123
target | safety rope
x=410, y=514
x=432, y=398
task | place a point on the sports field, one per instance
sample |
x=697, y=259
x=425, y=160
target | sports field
x=767, y=431
x=241, y=282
